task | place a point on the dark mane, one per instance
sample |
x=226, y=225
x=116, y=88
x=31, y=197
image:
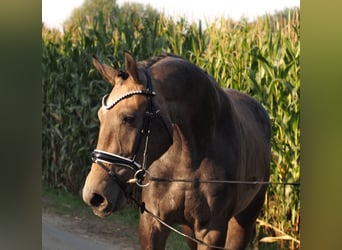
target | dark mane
x=149, y=62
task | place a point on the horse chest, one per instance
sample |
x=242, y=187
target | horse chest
x=196, y=206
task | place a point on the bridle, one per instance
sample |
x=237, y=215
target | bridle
x=101, y=157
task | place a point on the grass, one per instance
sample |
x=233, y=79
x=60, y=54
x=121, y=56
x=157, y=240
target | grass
x=61, y=202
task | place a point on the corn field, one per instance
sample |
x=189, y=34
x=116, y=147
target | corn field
x=261, y=58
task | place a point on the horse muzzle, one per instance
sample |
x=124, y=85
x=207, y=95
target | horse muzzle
x=103, y=206
x=102, y=194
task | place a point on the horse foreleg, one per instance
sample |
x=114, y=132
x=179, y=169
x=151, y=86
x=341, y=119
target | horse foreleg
x=239, y=235
x=153, y=235
x=190, y=232
x=242, y=226
x=212, y=234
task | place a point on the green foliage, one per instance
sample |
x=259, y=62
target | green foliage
x=260, y=58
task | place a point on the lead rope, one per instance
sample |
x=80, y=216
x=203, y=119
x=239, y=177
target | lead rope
x=144, y=209
x=198, y=181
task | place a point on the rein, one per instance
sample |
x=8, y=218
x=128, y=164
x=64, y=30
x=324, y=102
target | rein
x=199, y=181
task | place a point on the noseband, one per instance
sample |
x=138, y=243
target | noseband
x=101, y=157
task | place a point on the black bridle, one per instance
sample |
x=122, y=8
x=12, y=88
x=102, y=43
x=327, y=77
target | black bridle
x=101, y=157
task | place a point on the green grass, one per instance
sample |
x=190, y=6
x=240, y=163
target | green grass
x=60, y=202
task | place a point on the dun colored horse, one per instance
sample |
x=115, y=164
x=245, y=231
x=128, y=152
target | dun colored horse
x=168, y=127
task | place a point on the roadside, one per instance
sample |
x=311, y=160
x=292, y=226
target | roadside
x=69, y=224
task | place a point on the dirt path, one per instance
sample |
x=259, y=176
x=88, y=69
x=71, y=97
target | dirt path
x=70, y=232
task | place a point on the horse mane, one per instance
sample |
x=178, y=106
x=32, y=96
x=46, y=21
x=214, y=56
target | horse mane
x=149, y=62
x=152, y=60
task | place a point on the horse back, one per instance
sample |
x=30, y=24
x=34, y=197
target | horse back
x=248, y=111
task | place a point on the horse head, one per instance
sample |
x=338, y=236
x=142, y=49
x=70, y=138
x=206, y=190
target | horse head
x=132, y=135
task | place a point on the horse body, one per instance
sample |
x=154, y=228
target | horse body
x=216, y=135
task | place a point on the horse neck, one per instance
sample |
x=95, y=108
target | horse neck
x=197, y=108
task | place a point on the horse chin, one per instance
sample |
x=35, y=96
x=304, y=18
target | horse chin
x=102, y=214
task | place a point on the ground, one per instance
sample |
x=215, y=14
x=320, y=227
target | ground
x=66, y=226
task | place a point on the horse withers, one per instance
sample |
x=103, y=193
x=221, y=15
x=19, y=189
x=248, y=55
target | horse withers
x=169, y=127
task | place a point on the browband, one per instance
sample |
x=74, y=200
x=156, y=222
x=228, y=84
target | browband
x=135, y=92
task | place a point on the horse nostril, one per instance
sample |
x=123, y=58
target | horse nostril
x=97, y=200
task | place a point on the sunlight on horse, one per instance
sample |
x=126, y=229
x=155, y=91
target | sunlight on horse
x=167, y=125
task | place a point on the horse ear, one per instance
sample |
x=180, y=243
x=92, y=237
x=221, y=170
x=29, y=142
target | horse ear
x=131, y=66
x=107, y=72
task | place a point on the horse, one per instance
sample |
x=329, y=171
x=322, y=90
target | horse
x=199, y=152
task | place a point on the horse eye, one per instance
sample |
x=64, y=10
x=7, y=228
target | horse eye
x=128, y=119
